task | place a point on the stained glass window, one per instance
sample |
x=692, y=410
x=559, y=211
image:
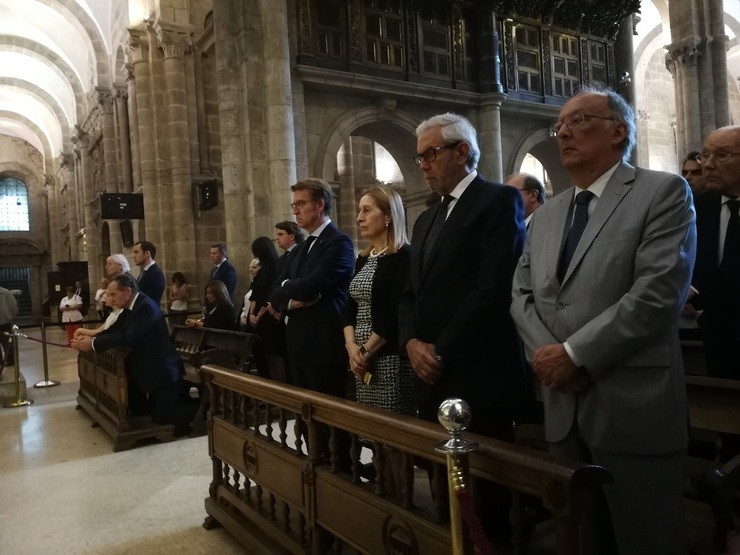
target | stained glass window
x=13, y=205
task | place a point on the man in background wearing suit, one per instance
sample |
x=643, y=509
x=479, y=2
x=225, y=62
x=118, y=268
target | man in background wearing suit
x=717, y=271
x=222, y=269
x=532, y=191
x=287, y=236
x=596, y=298
x=151, y=278
x=153, y=368
x=454, y=320
x=312, y=290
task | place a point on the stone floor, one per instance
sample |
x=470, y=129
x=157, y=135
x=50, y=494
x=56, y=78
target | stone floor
x=63, y=490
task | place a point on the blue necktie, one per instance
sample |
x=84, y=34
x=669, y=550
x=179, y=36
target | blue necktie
x=439, y=220
x=580, y=220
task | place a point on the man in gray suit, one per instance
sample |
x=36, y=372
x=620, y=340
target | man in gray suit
x=596, y=297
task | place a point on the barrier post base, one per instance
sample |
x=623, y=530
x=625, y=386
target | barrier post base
x=47, y=383
x=14, y=404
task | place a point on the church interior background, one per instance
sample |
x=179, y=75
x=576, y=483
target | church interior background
x=210, y=110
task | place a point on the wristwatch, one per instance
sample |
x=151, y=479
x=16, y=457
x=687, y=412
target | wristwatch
x=363, y=351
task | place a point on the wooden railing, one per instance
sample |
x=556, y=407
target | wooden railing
x=276, y=493
x=103, y=395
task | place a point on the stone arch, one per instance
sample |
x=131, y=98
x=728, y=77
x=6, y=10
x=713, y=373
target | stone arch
x=119, y=66
x=539, y=144
x=77, y=16
x=45, y=98
x=55, y=62
x=22, y=172
x=45, y=142
x=369, y=119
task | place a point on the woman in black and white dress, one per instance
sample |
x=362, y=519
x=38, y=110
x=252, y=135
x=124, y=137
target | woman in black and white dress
x=384, y=378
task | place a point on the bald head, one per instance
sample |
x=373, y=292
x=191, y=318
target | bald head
x=720, y=161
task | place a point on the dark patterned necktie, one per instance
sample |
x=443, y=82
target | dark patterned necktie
x=304, y=253
x=439, y=220
x=580, y=220
x=729, y=268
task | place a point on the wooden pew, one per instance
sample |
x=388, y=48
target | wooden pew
x=714, y=404
x=280, y=495
x=103, y=394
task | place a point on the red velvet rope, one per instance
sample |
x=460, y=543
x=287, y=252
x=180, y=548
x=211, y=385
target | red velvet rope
x=465, y=502
x=47, y=342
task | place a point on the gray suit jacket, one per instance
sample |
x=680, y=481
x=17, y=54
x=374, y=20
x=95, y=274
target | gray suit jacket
x=617, y=307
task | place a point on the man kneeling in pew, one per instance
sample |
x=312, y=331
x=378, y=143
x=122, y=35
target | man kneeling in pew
x=153, y=368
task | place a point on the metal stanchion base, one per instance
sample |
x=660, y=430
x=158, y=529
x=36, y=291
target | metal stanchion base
x=14, y=404
x=47, y=383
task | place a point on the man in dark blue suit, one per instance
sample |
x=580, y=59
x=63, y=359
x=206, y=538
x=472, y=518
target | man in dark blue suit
x=151, y=278
x=312, y=290
x=717, y=268
x=454, y=317
x=153, y=368
x=222, y=269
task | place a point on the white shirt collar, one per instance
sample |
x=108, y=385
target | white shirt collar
x=318, y=230
x=460, y=188
x=598, y=186
x=133, y=301
x=145, y=268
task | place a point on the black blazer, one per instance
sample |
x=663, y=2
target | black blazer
x=227, y=274
x=153, y=361
x=388, y=282
x=152, y=283
x=705, y=279
x=223, y=318
x=314, y=334
x=720, y=319
x=461, y=302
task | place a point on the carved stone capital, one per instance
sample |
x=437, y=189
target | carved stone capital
x=138, y=44
x=121, y=92
x=175, y=41
x=686, y=52
x=105, y=97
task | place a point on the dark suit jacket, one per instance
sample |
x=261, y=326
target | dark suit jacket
x=227, y=274
x=153, y=361
x=720, y=319
x=388, y=282
x=223, y=318
x=461, y=301
x=152, y=283
x=314, y=334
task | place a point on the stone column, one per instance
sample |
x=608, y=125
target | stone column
x=491, y=164
x=133, y=128
x=53, y=211
x=234, y=120
x=278, y=104
x=106, y=101
x=179, y=251
x=92, y=231
x=346, y=210
x=73, y=222
x=489, y=46
x=139, y=44
x=697, y=58
x=717, y=60
x=202, y=129
x=124, y=140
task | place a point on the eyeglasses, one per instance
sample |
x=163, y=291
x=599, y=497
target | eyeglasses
x=430, y=154
x=299, y=204
x=574, y=121
x=720, y=157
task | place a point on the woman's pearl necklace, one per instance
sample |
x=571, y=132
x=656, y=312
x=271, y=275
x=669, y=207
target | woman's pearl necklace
x=375, y=254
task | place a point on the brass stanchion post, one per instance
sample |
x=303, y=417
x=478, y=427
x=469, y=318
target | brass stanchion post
x=46, y=381
x=454, y=414
x=18, y=401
